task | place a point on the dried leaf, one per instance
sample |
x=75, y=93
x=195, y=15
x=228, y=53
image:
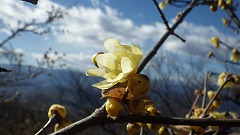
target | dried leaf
x=116, y=93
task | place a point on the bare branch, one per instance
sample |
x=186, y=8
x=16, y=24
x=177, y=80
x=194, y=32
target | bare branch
x=31, y=1
x=166, y=22
x=100, y=117
x=164, y=37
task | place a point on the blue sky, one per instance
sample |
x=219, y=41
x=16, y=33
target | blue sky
x=91, y=21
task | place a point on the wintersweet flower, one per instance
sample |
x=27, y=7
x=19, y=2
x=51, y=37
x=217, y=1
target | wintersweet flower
x=117, y=65
x=215, y=41
x=235, y=55
x=222, y=78
x=162, y=5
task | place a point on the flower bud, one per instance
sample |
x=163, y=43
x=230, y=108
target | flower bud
x=136, y=105
x=154, y=127
x=114, y=107
x=56, y=108
x=139, y=85
x=133, y=129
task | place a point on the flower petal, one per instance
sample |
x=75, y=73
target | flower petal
x=137, y=53
x=95, y=72
x=103, y=60
x=126, y=65
x=104, y=85
x=110, y=44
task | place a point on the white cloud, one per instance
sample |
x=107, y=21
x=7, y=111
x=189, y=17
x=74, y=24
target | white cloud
x=15, y=13
x=87, y=27
x=197, y=40
x=96, y=3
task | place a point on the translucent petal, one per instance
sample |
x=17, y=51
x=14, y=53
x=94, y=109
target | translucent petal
x=103, y=59
x=137, y=53
x=104, y=85
x=120, y=78
x=126, y=65
x=110, y=44
x=95, y=72
x=120, y=55
x=111, y=76
x=136, y=49
x=111, y=66
x=124, y=48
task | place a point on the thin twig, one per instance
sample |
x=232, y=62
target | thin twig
x=48, y=124
x=153, y=52
x=205, y=90
x=193, y=105
x=226, y=45
x=183, y=40
x=162, y=15
x=233, y=16
x=214, y=97
x=225, y=61
x=166, y=22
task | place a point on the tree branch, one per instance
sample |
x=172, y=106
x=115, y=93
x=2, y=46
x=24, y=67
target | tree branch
x=233, y=16
x=166, y=22
x=31, y=1
x=100, y=117
x=164, y=37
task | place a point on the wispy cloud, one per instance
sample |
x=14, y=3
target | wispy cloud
x=14, y=12
x=87, y=27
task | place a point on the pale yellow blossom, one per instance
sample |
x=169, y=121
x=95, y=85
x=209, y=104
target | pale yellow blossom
x=221, y=80
x=215, y=41
x=117, y=65
x=235, y=55
x=162, y=5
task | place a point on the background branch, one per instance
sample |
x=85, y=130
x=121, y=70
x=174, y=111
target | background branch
x=153, y=52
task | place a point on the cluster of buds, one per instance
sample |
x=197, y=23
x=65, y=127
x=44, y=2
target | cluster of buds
x=135, y=128
x=198, y=112
x=220, y=3
x=228, y=79
x=216, y=101
x=137, y=86
x=216, y=42
x=235, y=55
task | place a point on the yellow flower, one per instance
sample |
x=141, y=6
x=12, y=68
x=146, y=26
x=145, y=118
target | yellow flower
x=117, y=65
x=221, y=80
x=229, y=2
x=234, y=58
x=218, y=115
x=211, y=94
x=162, y=5
x=215, y=41
x=198, y=112
x=220, y=3
x=235, y=55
